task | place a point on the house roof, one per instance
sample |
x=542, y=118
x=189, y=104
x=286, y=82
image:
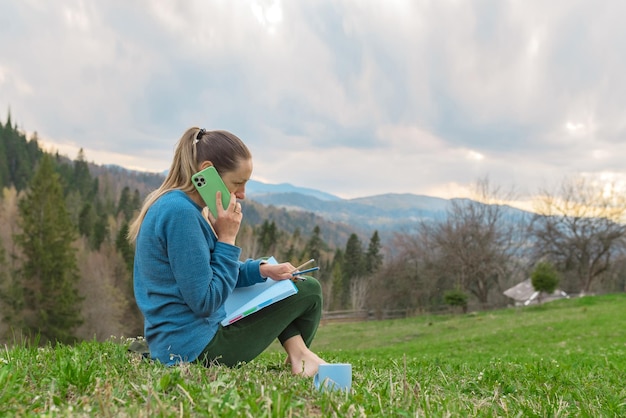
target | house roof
x=525, y=292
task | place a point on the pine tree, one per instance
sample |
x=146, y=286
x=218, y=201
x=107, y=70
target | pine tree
x=123, y=246
x=82, y=180
x=136, y=202
x=268, y=238
x=20, y=156
x=289, y=254
x=373, y=257
x=49, y=273
x=353, y=265
x=100, y=231
x=292, y=247
x=314, y=245
x=86, y=220
x=4, y=168
x=125, y=205
x=339, y=297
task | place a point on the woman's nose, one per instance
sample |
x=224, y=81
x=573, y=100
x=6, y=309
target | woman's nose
x=240, y=194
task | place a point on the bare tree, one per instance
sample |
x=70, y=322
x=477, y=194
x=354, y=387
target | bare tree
x=10, y=289
x=616, y=282
x=8, y=223
x=398, y=284
x=478, y=244
x=421, y=281
x=358, y=293
x=580, y=227
x=105, y=307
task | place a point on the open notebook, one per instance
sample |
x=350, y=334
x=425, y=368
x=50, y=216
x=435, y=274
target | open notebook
x=248, y=300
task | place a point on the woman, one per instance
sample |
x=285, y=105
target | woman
x=187, y=265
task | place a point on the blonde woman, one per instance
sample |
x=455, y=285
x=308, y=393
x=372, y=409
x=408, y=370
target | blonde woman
x=187, y=265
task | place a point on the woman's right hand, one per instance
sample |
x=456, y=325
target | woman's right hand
x=282, y=271
x=228, y=220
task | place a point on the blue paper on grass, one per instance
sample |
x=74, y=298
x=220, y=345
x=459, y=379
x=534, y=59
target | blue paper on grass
x=248, y=300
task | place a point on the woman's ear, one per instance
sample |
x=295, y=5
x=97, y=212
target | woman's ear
x=205, y=164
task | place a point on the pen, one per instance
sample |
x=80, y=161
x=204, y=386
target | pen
x=304, y=264
x=297, y=273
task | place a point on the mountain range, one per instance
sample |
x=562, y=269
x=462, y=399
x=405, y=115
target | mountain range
x=386, y=213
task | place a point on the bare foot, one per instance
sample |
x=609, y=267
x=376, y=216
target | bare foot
x=305, y=364
x=303, y=361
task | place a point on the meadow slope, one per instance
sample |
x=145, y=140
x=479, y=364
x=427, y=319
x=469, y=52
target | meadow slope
x=565, y=358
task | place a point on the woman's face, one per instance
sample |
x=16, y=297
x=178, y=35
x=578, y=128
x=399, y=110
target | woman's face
x=236, y=179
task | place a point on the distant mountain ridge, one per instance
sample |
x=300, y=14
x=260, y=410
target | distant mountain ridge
x=391, y=212
x=257, y=188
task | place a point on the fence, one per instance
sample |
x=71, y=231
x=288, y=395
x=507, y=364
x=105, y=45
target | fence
x=362, y=315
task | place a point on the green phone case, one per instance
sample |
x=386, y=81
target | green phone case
x=207, y=182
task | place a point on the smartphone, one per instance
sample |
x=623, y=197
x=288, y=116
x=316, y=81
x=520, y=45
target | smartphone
x=207, y=182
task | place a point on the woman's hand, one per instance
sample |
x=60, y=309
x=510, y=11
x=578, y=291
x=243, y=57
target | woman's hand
x=280, y=271
x=228, y=220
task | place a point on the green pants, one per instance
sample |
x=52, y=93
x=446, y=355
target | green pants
x=245, y=339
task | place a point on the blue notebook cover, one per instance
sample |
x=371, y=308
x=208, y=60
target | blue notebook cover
x=245, y=301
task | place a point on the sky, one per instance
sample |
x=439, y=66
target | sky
x=351, y=97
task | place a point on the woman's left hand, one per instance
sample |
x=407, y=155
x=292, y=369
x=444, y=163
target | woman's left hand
x=280, y=271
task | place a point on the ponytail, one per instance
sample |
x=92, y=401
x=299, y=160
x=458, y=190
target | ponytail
x=222, y=148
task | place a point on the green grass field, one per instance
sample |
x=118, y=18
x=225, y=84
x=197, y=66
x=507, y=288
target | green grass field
x=566, y=358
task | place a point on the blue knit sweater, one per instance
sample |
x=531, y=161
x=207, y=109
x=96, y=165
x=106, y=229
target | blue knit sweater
x=182, y=277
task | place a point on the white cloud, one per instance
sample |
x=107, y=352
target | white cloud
x=76, y=17
x=354, y=98
x=473, y=155
x=268, y=13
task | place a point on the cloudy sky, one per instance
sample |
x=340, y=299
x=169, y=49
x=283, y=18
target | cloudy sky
x=354, y=98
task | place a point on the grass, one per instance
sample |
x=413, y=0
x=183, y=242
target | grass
x=565, y=358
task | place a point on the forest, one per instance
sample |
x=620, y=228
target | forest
x=66, y=266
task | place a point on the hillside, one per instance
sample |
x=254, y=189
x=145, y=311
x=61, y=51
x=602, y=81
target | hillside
x=561, y=359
